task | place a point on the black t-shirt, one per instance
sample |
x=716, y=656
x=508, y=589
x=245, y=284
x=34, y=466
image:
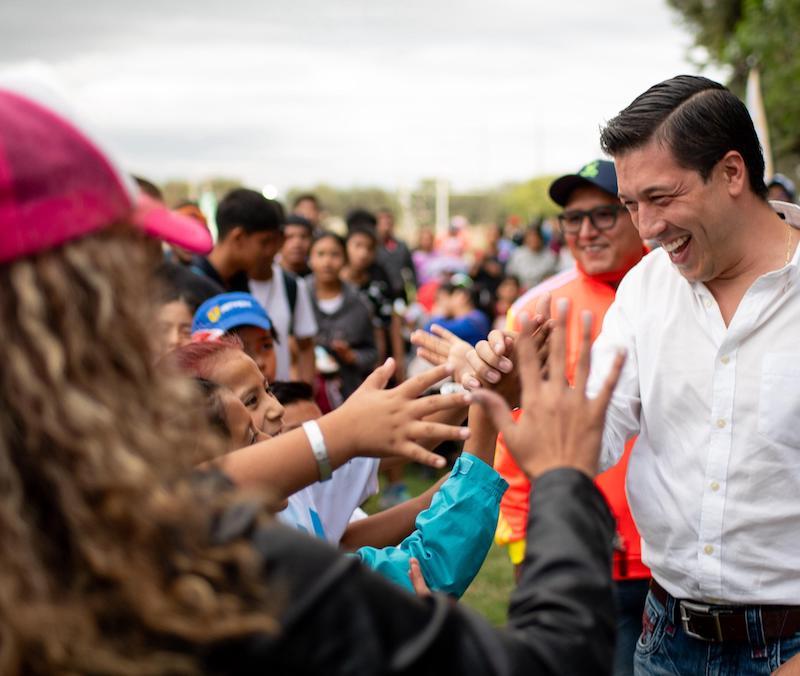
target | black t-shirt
x=239, y=281
x=377, y=291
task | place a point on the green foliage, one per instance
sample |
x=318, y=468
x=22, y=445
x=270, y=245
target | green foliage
x=529, y=200
x=338, y=201
x=764, y=33
x=769, y=33
x=491, y=589
x=712, y=23
x=179, y=190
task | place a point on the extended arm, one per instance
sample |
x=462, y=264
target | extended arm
x=561, y=616
x=373, y=422
x=453, y=536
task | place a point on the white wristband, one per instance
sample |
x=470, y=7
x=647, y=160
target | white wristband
x=318, y=448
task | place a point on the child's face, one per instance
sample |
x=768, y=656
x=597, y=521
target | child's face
x=507, y=291
x=296, y=244
x=326, y=260
x=298, y=412
x=443, y=303
x=257, y=250
x=360, y=251
x=240, y=423
x=174, y=323
x=236, y=371
x=260, y=347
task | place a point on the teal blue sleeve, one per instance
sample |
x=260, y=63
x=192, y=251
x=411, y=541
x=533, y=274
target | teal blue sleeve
x=452, y=536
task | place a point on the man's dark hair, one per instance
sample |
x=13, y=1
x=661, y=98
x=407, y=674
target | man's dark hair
x=698, y=119
x=361, y=217
x=249, y=210
x=362, y=229
x=305, y=197
x=291, y=391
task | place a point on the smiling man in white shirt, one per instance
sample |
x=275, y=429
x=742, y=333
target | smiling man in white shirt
x=711, y=322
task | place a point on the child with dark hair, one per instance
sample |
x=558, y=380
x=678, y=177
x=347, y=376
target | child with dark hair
x=298, y=233
x=431, y=528
x=371, y=279
x=241, y=315
x=344, y=320
x=249, y=229
x=456, y=310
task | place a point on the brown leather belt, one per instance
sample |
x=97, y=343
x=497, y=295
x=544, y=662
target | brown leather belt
x=728, y=623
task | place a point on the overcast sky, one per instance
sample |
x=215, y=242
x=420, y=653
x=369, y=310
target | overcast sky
x=349, y=92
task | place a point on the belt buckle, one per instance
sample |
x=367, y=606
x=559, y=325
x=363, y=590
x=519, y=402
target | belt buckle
x=689, y=608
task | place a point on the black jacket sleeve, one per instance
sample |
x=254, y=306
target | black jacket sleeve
x=340, y=618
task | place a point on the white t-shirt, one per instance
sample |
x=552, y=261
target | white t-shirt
x=324, y=509
x=349, y=486
x=302, y=514
x=274, y=299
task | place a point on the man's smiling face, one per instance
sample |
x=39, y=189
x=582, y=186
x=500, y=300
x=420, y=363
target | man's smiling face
x=675, y=207
x=599, y=252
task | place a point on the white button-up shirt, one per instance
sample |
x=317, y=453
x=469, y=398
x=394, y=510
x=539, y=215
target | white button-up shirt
x=714, y=478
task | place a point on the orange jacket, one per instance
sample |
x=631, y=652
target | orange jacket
x=585, y=293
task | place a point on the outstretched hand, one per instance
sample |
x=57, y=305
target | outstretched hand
x=559, y=426
x=389, y=422
x=441, y=346
x=491, y=363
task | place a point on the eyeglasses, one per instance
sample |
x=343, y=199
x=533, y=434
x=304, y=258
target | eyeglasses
x=602, y=218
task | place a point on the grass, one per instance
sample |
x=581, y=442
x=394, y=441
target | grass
x=489, y=592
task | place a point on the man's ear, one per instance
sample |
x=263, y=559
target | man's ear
x=236, y=236
x=734, y=172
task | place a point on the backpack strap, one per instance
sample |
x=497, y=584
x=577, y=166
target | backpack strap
x=290, y=283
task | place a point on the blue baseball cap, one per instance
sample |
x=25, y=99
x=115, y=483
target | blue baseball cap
x=599, y=173
x=227, y=311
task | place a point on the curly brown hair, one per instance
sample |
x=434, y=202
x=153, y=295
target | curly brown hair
x=107, y=561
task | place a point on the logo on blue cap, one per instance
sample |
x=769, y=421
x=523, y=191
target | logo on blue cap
x=591, y=170
x=228, y=311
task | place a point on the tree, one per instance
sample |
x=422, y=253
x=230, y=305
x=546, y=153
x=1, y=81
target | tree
x=764, y=33
x=339, y=201
x=529, y=200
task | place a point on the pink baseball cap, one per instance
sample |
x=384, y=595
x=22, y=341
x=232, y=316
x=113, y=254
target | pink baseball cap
x=57, y=184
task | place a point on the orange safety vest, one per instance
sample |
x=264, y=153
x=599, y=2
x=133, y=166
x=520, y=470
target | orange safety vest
x=585, y=293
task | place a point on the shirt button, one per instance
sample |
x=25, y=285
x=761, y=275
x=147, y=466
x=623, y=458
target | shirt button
x=725, y=359
x=714, y=486
x=707, y=302
x=721, y=423
x=708, y=549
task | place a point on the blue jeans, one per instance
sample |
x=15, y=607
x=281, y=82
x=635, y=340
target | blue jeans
x=664, y=649
x=630, y=596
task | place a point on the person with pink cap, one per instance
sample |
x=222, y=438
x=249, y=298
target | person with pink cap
x=115, y=559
